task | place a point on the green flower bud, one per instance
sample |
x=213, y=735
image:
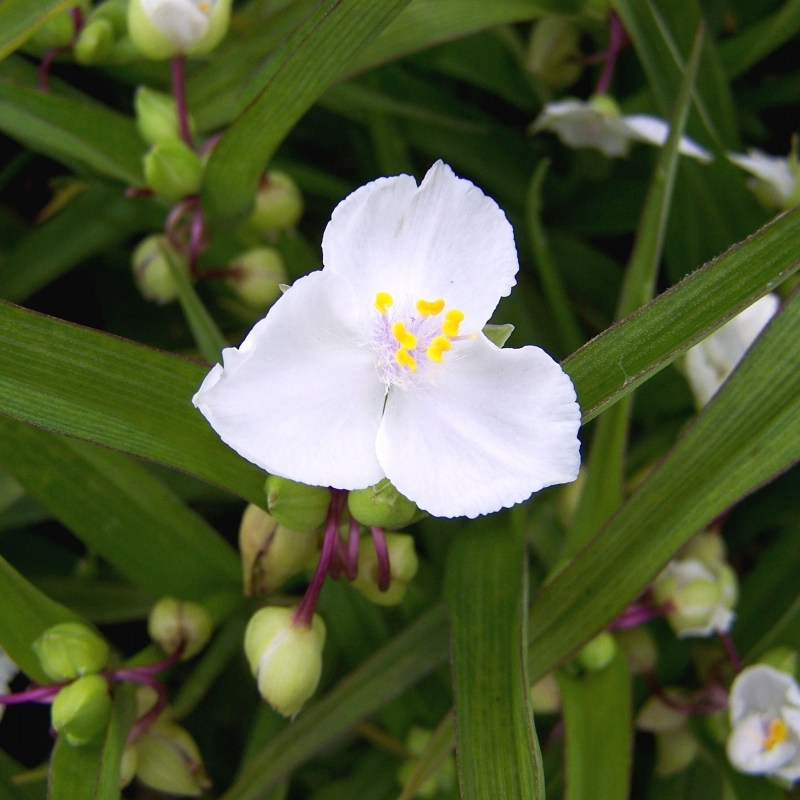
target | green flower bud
x=163, y=29
x=286, y=659
x=257, y=276
x=57, y=30
x=173, y=170
x=781, y=658
x=605, y=105
x=174, y=622
x=170, y=761
x=151, y=271
x=707, y=547
x=81, y=710
x=639, y=646
x=675, y=751
x=279, y=203
x=156, y=115
x=598, y=653
x=381, y=506
x=554, y=53
x=69, y=650
x=95, y=43
x=402, y=560
x=443, y=781
x=295, y=505
x=656, y=716
x=546, y=695
x=271, y=554
x=128, y=765
x=115, y=12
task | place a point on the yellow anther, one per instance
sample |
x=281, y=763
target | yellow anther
x=204, y=7
x=404, y=338
x=382, y=301
x=405, y=359
x=776, y=734
x=439, y=345
x=429, y=308
x=452, y=319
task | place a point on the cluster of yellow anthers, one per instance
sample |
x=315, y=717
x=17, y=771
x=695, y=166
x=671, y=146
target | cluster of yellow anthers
x=778, y=731
x=408, y=342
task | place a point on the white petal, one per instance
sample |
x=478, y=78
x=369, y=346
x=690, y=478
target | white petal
x=761, y=689
x=579, y=124
x=655, y=131
x=301, y=397
x=489, y=428
x=746, y=750
x=445, y=239
x=181, y=21
x=772, y=171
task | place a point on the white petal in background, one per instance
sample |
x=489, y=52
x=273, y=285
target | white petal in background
x=491, y=427
x=770, y=172
x=653, y=130
x=578, y=124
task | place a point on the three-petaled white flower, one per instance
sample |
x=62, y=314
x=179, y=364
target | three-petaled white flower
x=709, y=363
x=166, y=28
x=775, y=178
x=599, y=123
x=376, y=365
x=765, y=717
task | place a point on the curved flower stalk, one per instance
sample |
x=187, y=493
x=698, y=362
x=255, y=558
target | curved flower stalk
x=774, y=180
x=599, y=123
x=376, y=366
x=765, y=717
x=709, y=363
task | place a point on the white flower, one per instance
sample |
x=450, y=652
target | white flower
x=376, y=365
x=709, y=363
x=774, y=179
x=8, y=671
x=166, y=28
x=765, y=716
x=598, y=123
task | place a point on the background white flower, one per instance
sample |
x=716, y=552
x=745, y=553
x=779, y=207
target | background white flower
x=774, y=179
x=765, y=716
x=709, y=363
x=598, y=123
x=8, y=671
x=376, y=366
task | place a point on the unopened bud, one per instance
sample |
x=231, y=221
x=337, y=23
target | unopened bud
x=675, y=751
x=279, y=204
x=658, y=716
x=173, y=170
x=605, y=105
x=152, y=272
x=56, y=31
x=285, y=658
x=257, y=276
x=781, y=658
x=169, y=760
x=442, y=781
x=546, y=695
x=128, y=765
x=381, y=506
x=69, y=650
x=707, y=547
x=403, y=564
x=271, y=553
x=95, y=43
x=295, y=505
x=173, y=623
x=156, y=115
x=554, y=53
x=82, y=709
x=598, y=653
x=639, y=646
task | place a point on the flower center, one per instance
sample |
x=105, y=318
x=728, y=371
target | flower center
x=776, y=733
x=406, y=338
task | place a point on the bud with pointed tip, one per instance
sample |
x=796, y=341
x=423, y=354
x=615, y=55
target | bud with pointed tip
x=151, y=270
x=169, y=760
x=554, y=54
x=70, y=650
x=175, y=622
x=381, y=506
x=95, y=43
x=173, y=170
x=279, y=204
x=82, y=709
x=257, y=275
x=271, y=553
x=546, y=695
x=598, y=653
x=295, y=505
x=156, y=115
x=403, y=562
x=285, y=658
x=639, y=646
x=783, y=659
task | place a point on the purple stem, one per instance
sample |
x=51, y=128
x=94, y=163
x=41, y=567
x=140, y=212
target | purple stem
x=731, y=651
x=51, y=55
x=177, y=68
x=351, y=562
x=616, y=42
x=637, y=614
x=196, y=237
x=304, y=613
x=382, y=551
x=137, y=674
x=41, y=694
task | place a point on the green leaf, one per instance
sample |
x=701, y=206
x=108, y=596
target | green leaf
x=101, y=602
x=436, y=752
x=282, y=91
x=414, y=653
x=486, y=592
x=599, y=732
x=67, y=130
x=116, y=393
x=10, y=789
x=744, y=437
x=20, y=18
x=123, y=715
x=120, y=511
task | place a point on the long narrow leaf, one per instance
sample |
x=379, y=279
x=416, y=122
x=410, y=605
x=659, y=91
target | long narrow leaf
x=20, y=18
